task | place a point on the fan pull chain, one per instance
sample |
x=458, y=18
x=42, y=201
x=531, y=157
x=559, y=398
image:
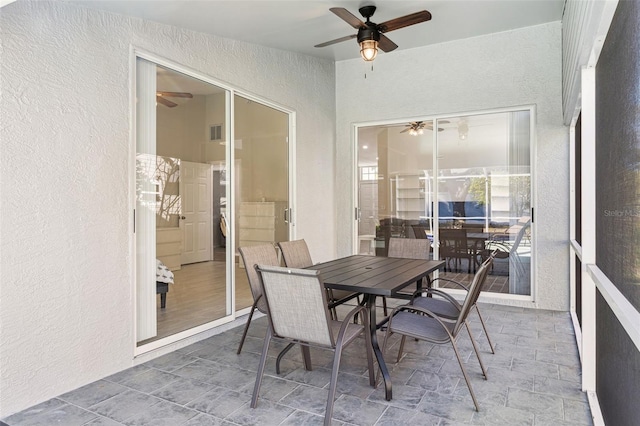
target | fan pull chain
x=365, y=73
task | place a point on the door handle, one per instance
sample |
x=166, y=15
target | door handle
x=183, y=217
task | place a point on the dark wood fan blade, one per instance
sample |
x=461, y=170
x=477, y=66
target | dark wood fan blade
x=405, y=130
x=338, y=40
x=175, y=94
x=347, y=17
x=165, y=102
x=385, y=44
x=404, y=21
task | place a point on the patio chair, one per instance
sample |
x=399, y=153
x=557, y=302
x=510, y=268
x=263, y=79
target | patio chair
x=296, y=255
x=297, y=312
x=454, y=246
x=445, y=306
x=264, y=254
x=505, y=244
x=423, y=324
x=407, y=249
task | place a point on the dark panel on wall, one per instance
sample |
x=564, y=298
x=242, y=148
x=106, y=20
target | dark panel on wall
x=578, y=179
x=618, y=152
x=617, y=369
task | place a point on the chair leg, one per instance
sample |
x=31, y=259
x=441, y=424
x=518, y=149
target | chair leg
x=332, y=386
x=476, y=350
x=466, y=378
x=387, y=334
x=401, y=348
x=246, y=328
x=384, y=306
x=259, y=374
x=484, y=327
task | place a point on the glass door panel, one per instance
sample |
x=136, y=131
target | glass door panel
x=394, y=184
x=262, y=181
x=484, y=198
x=472, y=199
x=182, y=281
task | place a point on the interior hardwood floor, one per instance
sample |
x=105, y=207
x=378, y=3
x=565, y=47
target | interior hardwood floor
x=198, y=297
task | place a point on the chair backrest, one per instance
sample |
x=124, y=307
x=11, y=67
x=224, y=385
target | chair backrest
x=522, y=226
x=474, y=292
x=295, y=253
x=453, y=238
x=297, y=304
x=263, y=254
x=419, y=231
x=409, y=248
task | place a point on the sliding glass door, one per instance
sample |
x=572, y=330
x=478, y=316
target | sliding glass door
x=212, y=175
x=471, y=199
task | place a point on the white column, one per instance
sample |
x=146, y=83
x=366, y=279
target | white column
x=588, y=228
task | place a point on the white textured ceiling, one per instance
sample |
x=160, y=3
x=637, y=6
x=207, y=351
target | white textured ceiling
x=298, y=25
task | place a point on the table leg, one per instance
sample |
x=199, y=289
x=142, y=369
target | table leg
x=373, y=324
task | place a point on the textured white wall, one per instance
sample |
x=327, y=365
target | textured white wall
x=67, y=299
x=514, y=68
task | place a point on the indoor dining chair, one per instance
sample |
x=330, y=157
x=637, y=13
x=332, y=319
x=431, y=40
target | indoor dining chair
x=419, y=323
x=297, y=313
x=296, y=255
x=263, y=254
x=407, y=248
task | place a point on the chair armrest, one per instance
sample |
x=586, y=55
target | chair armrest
x=451, y=281
x=442, y=294
x=347, y=320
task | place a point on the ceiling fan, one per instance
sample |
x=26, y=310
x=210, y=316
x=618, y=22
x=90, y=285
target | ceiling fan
x=161, y=97
x=370, y=35
x=417, y=127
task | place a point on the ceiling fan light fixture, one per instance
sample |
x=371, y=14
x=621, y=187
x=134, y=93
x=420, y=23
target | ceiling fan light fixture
x=369, y=50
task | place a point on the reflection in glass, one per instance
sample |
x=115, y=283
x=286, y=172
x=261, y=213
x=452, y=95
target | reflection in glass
x=179, y=202
x=476, y=200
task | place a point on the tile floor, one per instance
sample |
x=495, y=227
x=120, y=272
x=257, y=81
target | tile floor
x=533, y=379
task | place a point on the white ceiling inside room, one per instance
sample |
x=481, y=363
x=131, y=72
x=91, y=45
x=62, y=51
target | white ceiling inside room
x=299, y=25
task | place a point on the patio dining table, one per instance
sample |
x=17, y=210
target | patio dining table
x=375, y=276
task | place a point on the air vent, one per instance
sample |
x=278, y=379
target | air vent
x=216, y=132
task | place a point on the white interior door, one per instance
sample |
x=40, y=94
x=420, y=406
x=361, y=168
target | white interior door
x=196, y=188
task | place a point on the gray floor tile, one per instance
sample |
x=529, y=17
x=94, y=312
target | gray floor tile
x=163, y=413
x=266, y=413
x=357, y=411
x=170, y=362
x=93, y=393
x=451, y=408
x=66, y=414
x=394, y=416
x=206, y=420
x=307, y=398
x=504, y=416
x=150, y=380
x=125, y=405
x=35, y=411
x=183, y=391
x=533, y=379
x=535, y=403
x=219, y=402
x=302, y=418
